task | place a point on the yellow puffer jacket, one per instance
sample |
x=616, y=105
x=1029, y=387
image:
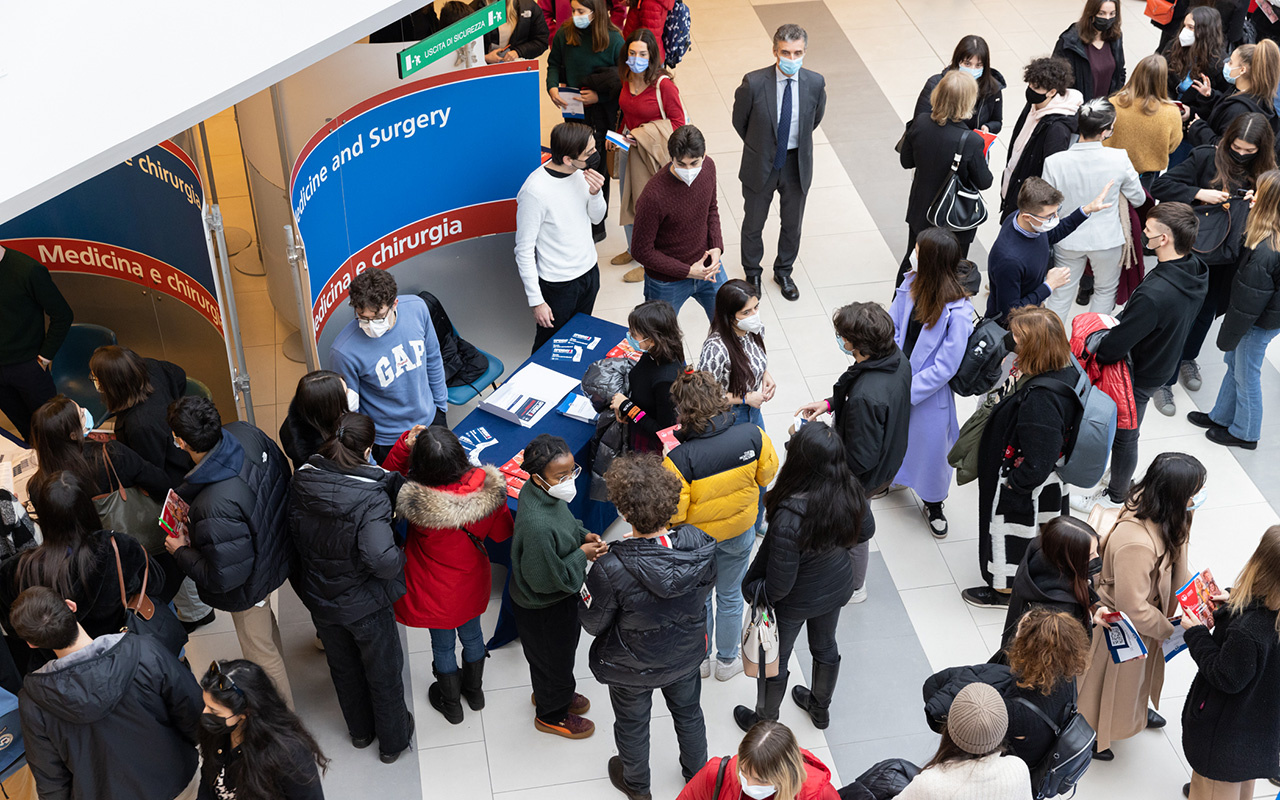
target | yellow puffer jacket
x=721, y=472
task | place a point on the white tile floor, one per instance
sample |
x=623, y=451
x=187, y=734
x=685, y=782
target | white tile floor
x=843, y=257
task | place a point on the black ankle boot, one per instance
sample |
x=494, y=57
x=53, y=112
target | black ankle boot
x=472, y=683
x=445, y=696
x=817, y=701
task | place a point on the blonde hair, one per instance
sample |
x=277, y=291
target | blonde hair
x=771, y=754
x=1264, y=220
x=1260, y=578
x=1263, y=61
x=1148, y=86
x=954, y=98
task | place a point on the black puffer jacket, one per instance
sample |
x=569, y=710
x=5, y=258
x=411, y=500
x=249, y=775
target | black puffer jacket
x=941, y=688
x=121, y=714
x=348, y=563
x=801, y=584
x=1255, y=297
x=647, y=608
x=1231, y=719
x=1039, y=584
x=240, y=550
x=870, y=406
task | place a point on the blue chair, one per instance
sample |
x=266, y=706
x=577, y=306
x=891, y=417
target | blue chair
x=196, y=388
x=70, y=368
x=461, y=395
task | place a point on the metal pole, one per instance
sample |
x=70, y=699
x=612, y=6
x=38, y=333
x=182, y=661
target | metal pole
x=296, y=260
x=217, y=245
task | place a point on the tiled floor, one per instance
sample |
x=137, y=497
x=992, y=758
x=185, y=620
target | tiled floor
x=875, y=55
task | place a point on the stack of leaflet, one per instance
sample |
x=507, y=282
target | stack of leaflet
x=623, y=349
x=577, y=406
x=475, y=441
x=529, y=395
x=514, y=473
x=574, y=347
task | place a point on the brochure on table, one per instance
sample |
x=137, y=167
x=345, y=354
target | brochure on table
x=529, y=395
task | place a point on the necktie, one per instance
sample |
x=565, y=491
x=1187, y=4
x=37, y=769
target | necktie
x=784, y=127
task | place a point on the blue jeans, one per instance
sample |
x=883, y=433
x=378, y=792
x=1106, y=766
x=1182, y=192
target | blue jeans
x=677, y=292
x=1239, y=404
x=732, y=558
x=442, y=646
x=745, y=413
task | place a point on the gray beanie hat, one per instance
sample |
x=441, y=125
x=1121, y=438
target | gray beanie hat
x=978, y=719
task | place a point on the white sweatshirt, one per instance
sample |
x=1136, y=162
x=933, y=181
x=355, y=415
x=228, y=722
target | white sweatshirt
x=989, y=778
x=554, y=216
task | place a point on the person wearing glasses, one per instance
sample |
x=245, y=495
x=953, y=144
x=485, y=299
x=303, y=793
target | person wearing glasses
x=251, y=745
x=549, y=554
x=390, y=356
x=112, y=716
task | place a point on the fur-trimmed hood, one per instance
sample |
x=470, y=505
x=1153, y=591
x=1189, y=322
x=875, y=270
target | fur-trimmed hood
x=427, y=507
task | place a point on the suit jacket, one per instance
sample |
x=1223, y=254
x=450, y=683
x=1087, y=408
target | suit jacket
x=755, y=118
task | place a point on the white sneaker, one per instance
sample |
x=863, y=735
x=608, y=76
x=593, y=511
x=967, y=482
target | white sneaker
x=859, y=595
x=704, y=669
x=726, y=671
x=1084, y=503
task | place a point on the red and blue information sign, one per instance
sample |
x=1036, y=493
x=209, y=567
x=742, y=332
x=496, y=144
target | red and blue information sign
x=412, y=169
x=140, y=221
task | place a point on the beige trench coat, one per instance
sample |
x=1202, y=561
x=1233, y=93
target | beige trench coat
x=648, y=155
x=1139, y=579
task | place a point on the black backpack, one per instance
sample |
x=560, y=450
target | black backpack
x=1069, y=757
x=981, y=367
x=463, y=362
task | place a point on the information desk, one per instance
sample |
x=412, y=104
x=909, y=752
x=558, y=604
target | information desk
x=512, y=438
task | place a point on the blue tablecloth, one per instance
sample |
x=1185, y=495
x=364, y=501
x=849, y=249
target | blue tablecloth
x=512, y=438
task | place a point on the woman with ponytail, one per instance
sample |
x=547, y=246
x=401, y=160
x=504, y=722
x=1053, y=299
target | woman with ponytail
x=350, y=572
x=1254, y=71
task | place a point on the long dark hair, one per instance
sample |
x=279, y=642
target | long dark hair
x=319, y=400
x=438, y=458
x=68, y=519
x=731, y=298
x=1162, y=495
x=817, y=468
x=1206, y=52
x=1088, y=34
x=1066, y=543
x=350, y=441
x=57, y=435
x=657, y=320
x=122, y=377
x=936, y=282
x=976, y=47
x=271, y=734
x=1254, y=129
x=656, y=68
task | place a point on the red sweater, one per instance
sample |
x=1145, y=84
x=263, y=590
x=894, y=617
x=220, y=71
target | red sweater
x=676, y=224
x=641, y=108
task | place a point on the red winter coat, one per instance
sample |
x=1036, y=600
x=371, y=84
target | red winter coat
x=1116, y=380
x=446, y=571
x=651, y=14
x=817, y=782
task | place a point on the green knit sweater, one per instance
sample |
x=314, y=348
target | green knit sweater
x=571, y=64
x=27, y=293
x=547, y=563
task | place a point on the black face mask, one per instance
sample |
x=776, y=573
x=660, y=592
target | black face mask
x=1095, y=566
x=594, y=161
x=1104, y=25
x=1241, y=158
x=1009, y=344
x=1035, y=98
x=214, y=724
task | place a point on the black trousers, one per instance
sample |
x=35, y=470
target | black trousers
x=366, y=664
x=785, y=183
x=549, y=637
x=632, y=708
x=24, y=387
x=567, y=298
x=965, y=238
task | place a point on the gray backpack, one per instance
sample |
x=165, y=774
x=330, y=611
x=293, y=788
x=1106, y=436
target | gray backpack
x=1088, y=448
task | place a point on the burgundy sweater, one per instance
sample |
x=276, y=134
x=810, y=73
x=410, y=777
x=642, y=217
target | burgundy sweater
x=676, y=224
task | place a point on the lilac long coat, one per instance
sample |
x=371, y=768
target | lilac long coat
x=933, y=428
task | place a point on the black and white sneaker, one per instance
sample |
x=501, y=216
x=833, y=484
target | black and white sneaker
x=937, y=521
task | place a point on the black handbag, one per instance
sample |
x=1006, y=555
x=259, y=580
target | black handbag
x=143, y=616
x=1221, y=231
x=956, y=206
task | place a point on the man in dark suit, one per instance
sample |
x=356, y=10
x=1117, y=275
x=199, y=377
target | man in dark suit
x=775, y=111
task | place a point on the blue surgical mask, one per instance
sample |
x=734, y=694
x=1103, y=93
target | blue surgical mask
x=972, y=72
x=635, y=343
x=581, y=21
x=638, y=64
x=840, y=344
x=1226, y=73
x=86, y=420
x=790, y=66
x=1198, y=499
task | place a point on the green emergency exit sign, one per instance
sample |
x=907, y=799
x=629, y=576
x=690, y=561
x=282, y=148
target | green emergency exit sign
x=414, y=58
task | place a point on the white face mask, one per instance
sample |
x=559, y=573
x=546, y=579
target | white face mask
x=86, y=419
x=915, y=262
x=565, y=491
x=687, y=174
x=752, y=324
x=353, y=399
x=1042, y=225
x=1186, y=37
x=375, y=327
x=754, y=791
